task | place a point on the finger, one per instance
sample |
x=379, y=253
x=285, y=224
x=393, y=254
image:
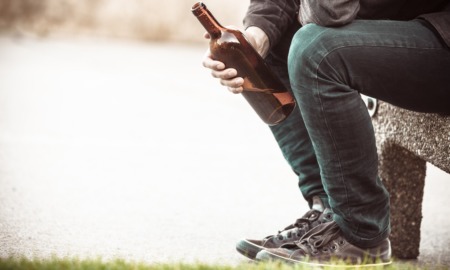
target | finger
x=225, y=74
x=206, y=35
x=213, y=64
x=236, y=90
x=210, y=63
x=233, y=83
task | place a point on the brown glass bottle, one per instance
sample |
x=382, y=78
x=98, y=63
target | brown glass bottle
x=262, y=89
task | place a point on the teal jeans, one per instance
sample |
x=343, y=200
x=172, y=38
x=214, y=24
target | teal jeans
x=329, y=140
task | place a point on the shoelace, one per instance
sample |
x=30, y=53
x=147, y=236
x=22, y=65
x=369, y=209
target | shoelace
x=303, y=222
x=318, y=237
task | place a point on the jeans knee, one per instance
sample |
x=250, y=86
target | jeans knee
x=319, y=52
x=304, y=54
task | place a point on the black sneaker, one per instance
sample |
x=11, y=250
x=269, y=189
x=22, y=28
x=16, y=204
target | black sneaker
x=325, y=245
x=290, y=234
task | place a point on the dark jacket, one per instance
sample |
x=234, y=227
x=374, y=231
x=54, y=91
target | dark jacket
x=280, y=19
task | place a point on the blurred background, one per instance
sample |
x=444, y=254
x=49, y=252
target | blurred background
x=115, y=142
x=149, y=20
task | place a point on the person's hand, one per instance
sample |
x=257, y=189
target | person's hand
x=228, y=76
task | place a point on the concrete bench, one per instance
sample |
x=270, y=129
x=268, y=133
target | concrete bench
x=406, y=140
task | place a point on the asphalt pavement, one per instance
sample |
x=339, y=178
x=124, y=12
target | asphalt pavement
x=131, y=150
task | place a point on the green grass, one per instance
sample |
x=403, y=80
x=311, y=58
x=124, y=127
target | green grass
x=75, y=264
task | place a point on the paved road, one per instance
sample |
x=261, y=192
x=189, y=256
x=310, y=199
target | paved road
x=131, y=150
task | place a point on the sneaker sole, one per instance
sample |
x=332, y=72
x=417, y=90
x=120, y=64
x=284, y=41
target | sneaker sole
x=265, y=255
x=248, y=249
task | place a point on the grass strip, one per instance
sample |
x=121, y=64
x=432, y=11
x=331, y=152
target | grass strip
x=98, y=264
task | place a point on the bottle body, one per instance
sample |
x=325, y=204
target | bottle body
x=262, y=89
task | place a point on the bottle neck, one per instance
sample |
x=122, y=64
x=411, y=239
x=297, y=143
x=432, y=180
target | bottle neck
x=208, y=21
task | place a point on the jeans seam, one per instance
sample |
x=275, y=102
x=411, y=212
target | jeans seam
x=331, y=135
x=372, y=46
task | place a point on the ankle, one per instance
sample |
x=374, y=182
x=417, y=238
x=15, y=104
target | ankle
x=318, y=203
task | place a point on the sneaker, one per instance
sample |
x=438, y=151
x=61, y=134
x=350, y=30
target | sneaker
x=325, y=246
x=290, y=234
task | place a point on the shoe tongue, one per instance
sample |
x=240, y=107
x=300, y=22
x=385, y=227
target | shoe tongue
x=317, y=204
x=325, y=231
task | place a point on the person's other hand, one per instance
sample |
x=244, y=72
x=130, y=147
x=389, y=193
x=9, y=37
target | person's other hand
x=228, y=76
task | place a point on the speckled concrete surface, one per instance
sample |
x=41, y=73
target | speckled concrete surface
x=128, y=150
x=426, y=135
x=406, y=140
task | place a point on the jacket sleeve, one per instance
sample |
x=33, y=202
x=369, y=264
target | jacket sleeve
x=328, y=12
x=272, y=16
x=441, y=22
